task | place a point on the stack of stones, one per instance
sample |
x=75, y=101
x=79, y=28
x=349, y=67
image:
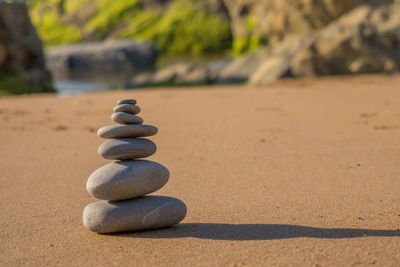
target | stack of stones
x=122, y=185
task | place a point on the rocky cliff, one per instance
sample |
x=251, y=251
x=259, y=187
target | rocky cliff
x=22, y=65
x=278, y=39
x=256, y=22
x=365, y=40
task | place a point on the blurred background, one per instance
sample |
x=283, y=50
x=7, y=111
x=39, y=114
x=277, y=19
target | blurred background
x=75, y=46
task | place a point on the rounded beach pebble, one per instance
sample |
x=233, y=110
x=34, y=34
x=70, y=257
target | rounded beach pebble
x=127, y=148
x=128, y=108
x=126, y=118
x=148, y=212
x=127, y=179
x=127, y=101
x=126, y=131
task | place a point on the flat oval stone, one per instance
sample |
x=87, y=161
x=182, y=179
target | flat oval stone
x=128, y=108
x=127, y=148
x=127, y=179
x=127, y=101
x=126, y=118
x=148, y=212
x=126, y=131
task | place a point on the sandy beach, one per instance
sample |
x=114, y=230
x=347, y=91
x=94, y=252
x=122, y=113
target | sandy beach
x=301, y=173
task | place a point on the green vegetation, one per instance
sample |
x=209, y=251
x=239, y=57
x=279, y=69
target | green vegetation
x=180, y=28
x=109, y=14
x=12, y=84
x=241, y=45
x=52, y=29
x=56, y=32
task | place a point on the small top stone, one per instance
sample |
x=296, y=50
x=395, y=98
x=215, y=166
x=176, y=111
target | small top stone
x=127, y=101
x=128, y=108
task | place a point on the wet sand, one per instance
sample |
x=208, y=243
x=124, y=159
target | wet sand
x=302, y=173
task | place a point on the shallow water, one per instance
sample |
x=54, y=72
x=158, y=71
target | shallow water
x=78, y=86
x=82, y=82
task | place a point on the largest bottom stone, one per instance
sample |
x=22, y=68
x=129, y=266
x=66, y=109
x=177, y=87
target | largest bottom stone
x=148, y=212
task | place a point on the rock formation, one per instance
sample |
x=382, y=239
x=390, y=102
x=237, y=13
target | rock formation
x=113, y=57
x=366, y=40
x=272, y=20
x=122, y=185
x=20, y=47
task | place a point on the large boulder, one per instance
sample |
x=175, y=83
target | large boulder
x=20, y=47
x=181, y=73
x=269, y=58
x=101, y=57
x=365, y=40
x=240, y=69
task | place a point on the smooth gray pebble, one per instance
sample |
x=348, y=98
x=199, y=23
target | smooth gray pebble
x=127, y=148
x=127, y=179
x=148, y=212
x=126, y=118
x=128, y=108
x=127, y=101
x=126, y=131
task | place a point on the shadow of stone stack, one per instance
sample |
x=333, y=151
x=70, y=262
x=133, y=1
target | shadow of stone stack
x=122, y=185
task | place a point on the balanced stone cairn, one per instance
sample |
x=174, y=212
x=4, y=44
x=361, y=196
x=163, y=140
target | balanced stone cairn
x=122, y=185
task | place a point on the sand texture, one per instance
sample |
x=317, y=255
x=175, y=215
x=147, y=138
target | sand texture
x=302, y=173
